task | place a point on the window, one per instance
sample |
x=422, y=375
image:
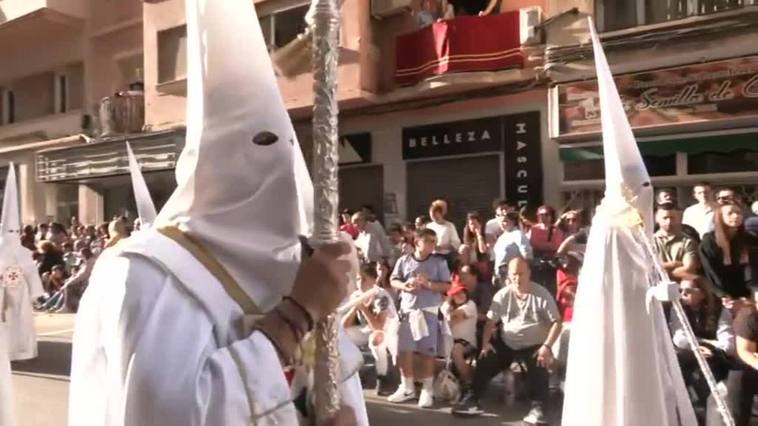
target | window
x=594, y=169
x=618, y=14
x=61, y=87
x=172, y=54
x=130, y=68
x=32, y=97
x=280, y=28
x=74, y=86
x=730, y=162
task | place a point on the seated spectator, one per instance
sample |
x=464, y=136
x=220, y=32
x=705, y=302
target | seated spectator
x=568, y=281
x=461, y=315
x=677, y=251
x=409, y=230
x=575, y=233
x=367, y=319
x=474, y=250
x=545, y=239
x=27, y=238
x=52, y=282
x=712, y=325
x=530, y=324
x=58, y=235
x=742, y=383
x=511, y=243
x=74, y=287
x=42, y=232
x=396, y=238
x=422, y=279
x=479, y=290
x=492, y=229
x=49, y=256
x=70, y=258
x=724, y=254
x=371, y=245
x=347, y=225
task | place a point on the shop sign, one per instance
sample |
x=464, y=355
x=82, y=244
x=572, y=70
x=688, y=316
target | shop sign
x=355, y=149
x=705, y=92
x=523, y=159
x=454, y=138
x=155, y=152
x=517, y=136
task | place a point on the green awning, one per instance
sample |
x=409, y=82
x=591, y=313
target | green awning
x=662, y=148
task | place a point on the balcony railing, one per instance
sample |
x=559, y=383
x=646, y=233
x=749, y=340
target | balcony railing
x=619, y=14
x=462, y=44
x=122, y=113
x=14, y=9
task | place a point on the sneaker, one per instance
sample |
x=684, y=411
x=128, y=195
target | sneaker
x=402, y=395
x=468, y=406
x=426, y=399
x=536, y=416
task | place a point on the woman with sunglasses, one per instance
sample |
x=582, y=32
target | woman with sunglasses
x=712, y=325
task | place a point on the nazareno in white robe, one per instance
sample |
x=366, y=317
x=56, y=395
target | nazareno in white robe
x=154, y=345
x=6, y=396
x=20, y=286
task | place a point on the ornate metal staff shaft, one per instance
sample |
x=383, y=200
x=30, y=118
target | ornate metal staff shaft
x=325, y=160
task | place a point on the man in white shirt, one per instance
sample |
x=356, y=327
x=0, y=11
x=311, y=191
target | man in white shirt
x=492, y=229
x=511, y=243
x=373, y=245
x=530, y=324
x=700, y=214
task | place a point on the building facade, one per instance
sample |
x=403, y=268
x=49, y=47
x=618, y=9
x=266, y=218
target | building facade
x=469, y=109
x=687, y=72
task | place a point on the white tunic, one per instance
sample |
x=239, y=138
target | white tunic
x=6, y=400
x=156, y=343
x=19, y=286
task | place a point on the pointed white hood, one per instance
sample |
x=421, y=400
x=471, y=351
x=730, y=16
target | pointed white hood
x=621, y=368
x=243, y=188
x=11, y=225
x=145, y=207
x=625, y=172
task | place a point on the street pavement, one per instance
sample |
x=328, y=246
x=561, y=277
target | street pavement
x=41, y=389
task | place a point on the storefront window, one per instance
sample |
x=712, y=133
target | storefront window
x=67, y=202
x=729, y=162
x=594, y=169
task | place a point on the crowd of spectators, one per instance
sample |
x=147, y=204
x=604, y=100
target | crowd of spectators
x=65, y=257
x=495, y=300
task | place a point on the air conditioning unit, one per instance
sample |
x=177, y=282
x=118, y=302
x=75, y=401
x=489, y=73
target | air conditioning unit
x=530, y=20
x=384, y=8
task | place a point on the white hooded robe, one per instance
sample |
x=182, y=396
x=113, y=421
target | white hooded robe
x=158, y=339
x=622, y=369
x=19, y=279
